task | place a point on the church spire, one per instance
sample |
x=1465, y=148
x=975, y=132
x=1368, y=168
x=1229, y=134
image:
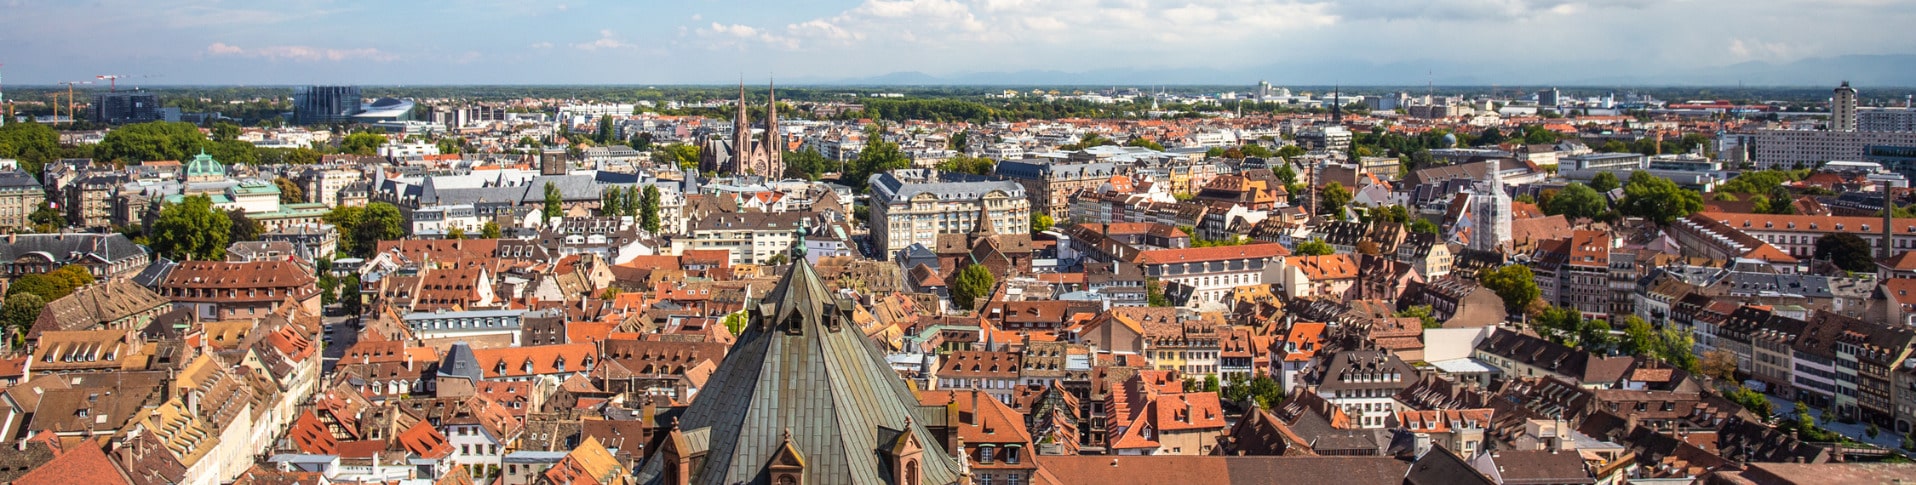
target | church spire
x=985, y=225
x=742, y=132
x=774, y=141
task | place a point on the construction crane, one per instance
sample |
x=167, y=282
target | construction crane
x=70, y=102
x=113, y=80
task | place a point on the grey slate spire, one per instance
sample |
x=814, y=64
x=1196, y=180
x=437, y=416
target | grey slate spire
x=801, y=365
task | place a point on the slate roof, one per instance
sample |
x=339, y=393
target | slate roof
x=803, y=367
x=62, y=247
x=460, y=362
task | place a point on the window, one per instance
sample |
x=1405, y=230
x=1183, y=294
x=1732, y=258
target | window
x=984, y=454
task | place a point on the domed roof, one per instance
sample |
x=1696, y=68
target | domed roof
x=204, y=165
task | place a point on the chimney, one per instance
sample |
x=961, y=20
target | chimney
x=1889, y=209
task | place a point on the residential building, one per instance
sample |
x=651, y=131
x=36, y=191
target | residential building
x=1209, y=274
x=104, y=255
x=1050, y=185
x=751, y=237
x=216, y=290
x=20, y=196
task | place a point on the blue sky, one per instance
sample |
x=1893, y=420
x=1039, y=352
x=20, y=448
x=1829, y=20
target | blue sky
x=716, y=41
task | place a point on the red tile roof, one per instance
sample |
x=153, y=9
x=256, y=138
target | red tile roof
x=1217, y=253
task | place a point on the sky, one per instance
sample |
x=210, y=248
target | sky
x=172, y=42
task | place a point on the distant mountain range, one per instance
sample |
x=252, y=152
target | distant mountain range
x=1877, y=71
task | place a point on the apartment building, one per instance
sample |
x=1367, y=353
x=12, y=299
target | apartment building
x=914, y=206
x=1050, y=185
x=751, y=237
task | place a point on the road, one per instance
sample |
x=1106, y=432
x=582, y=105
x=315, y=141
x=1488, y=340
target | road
x=1887, y=438
x=340, y=334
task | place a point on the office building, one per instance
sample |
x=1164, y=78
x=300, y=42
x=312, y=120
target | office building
x=122, y=107
x=1549, y=98
x=325, y=104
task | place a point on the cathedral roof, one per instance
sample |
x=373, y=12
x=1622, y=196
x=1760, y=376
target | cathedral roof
x=801, y=367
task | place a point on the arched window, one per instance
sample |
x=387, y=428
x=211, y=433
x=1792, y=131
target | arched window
x=911, y=472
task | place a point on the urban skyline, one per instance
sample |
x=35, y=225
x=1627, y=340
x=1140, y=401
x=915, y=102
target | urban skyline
x=961, y=42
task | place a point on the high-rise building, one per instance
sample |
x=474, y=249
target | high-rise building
x=1843, y=108
x=325, y=104
x=1549, y=98
x=121, y=107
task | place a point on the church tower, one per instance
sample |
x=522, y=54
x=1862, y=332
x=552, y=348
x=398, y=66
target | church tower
x=1491, y=214
x=741, y=130
x=773, y=165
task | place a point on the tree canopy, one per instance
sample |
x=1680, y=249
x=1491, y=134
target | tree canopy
x=192, y=230
x=1515, y=284
x=972, y=283
x=1577, y=201
x=1314, y=247
x=33, y=144
x=1846, y=251
x=1658, y=199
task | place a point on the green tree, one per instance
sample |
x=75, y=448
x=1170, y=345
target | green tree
x=1594, y=336
x=1333, y=198
x=649, y=209
x=47, y=219
x=1261, y=391
x=1751, y=400
x=52, y=285
x=1491, y=136
x=289, y=192
x=1285, y=174
x=1421, y=312
x=1515, y=284
x=972, y=283
x=807, y=164
x=380, y=222
x=1846, y=251
x=456, y=233
x=554, y=206
x=970, y=165
x=682, y=155
x=192, y=230
x=1255, y=150
x=612, y=201
x=1314, y=247
x=33, y=144
x=1154, y=293
x=878, y=156
x=490, y=230
x=605, y=130
x=1639, y=338
x=243, y=228
x=1423, y=225
x=157, y=140
x=1290, y=151
x=362, y=143
x=349, y=296
x=1143, y=142
x=20, y=310
x=1658, y=199
x=1040, y=222
x=1577, y=201
x=224, y=131
x=345, y=220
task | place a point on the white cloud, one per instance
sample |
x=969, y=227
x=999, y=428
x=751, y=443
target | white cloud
x=607, y=40
x=541, y=45
x=299, y=53
x=1754, y=49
